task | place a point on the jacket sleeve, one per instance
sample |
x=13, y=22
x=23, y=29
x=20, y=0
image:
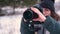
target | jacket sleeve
x=24, y=29
x=52, y=25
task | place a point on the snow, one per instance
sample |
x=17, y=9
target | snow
x=10, y=24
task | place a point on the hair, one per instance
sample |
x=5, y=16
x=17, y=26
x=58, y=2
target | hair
x=55, y=16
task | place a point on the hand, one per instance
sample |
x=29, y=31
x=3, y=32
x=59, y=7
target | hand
x=41, y=17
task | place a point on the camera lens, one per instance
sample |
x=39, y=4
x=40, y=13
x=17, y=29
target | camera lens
x=28, y=14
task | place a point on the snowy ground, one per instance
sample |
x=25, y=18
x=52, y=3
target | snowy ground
x=10, y=24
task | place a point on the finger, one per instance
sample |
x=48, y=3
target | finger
x=25, y=20
x=35, y=20
x=35, y=10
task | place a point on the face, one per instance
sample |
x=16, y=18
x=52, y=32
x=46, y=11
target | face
x=46, y=12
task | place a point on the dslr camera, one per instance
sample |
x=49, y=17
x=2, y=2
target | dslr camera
x=29, y=15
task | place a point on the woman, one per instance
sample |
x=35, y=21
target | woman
x=49, y=17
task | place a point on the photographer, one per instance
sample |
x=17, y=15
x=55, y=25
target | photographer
x=49, y=19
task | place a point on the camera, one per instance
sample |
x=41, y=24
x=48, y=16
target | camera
x=29, y=14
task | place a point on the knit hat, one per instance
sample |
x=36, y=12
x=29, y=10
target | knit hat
x=49, y=0
x=48, y=4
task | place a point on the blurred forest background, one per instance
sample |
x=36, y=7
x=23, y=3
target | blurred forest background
x=14, y=4
x=17, y=2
